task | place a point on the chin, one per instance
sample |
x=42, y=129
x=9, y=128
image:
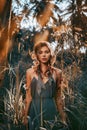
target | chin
x=44, y=62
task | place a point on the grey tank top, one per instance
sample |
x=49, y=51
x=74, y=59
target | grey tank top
x=44, y=90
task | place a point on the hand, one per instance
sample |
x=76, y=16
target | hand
x=64, y=119
x=25, y=121
x=64, y=122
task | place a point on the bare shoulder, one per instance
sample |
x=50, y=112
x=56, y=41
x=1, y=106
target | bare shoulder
x=58, y=74
x=29, y=71
x=57, y=71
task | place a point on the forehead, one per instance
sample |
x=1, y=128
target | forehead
x=43, y=48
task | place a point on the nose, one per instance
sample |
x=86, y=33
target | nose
x=43, y=55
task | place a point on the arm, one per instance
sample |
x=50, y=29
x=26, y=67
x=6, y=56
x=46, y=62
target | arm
x=59, y=99
x=28, y=94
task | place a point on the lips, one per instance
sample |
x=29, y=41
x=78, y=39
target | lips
x=44, y=58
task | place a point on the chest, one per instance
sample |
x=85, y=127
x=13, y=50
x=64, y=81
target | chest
x=46, y=89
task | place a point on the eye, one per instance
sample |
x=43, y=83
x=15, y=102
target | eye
x=47, y=51
x=39, y=52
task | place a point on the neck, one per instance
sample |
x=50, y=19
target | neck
x=44, y=67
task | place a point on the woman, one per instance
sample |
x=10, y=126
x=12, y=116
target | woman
x=43, y=89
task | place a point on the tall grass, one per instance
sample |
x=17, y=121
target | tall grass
x=14, y=102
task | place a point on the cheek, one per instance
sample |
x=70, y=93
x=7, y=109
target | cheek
x=38, y=57
x=49, y=56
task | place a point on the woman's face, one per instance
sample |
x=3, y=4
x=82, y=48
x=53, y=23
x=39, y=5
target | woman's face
x=44, y=54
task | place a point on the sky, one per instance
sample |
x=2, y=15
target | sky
x=30, y=22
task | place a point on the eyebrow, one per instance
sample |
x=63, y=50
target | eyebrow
x=44, y=50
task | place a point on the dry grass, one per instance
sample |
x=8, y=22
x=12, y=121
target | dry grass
x=14, y=103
